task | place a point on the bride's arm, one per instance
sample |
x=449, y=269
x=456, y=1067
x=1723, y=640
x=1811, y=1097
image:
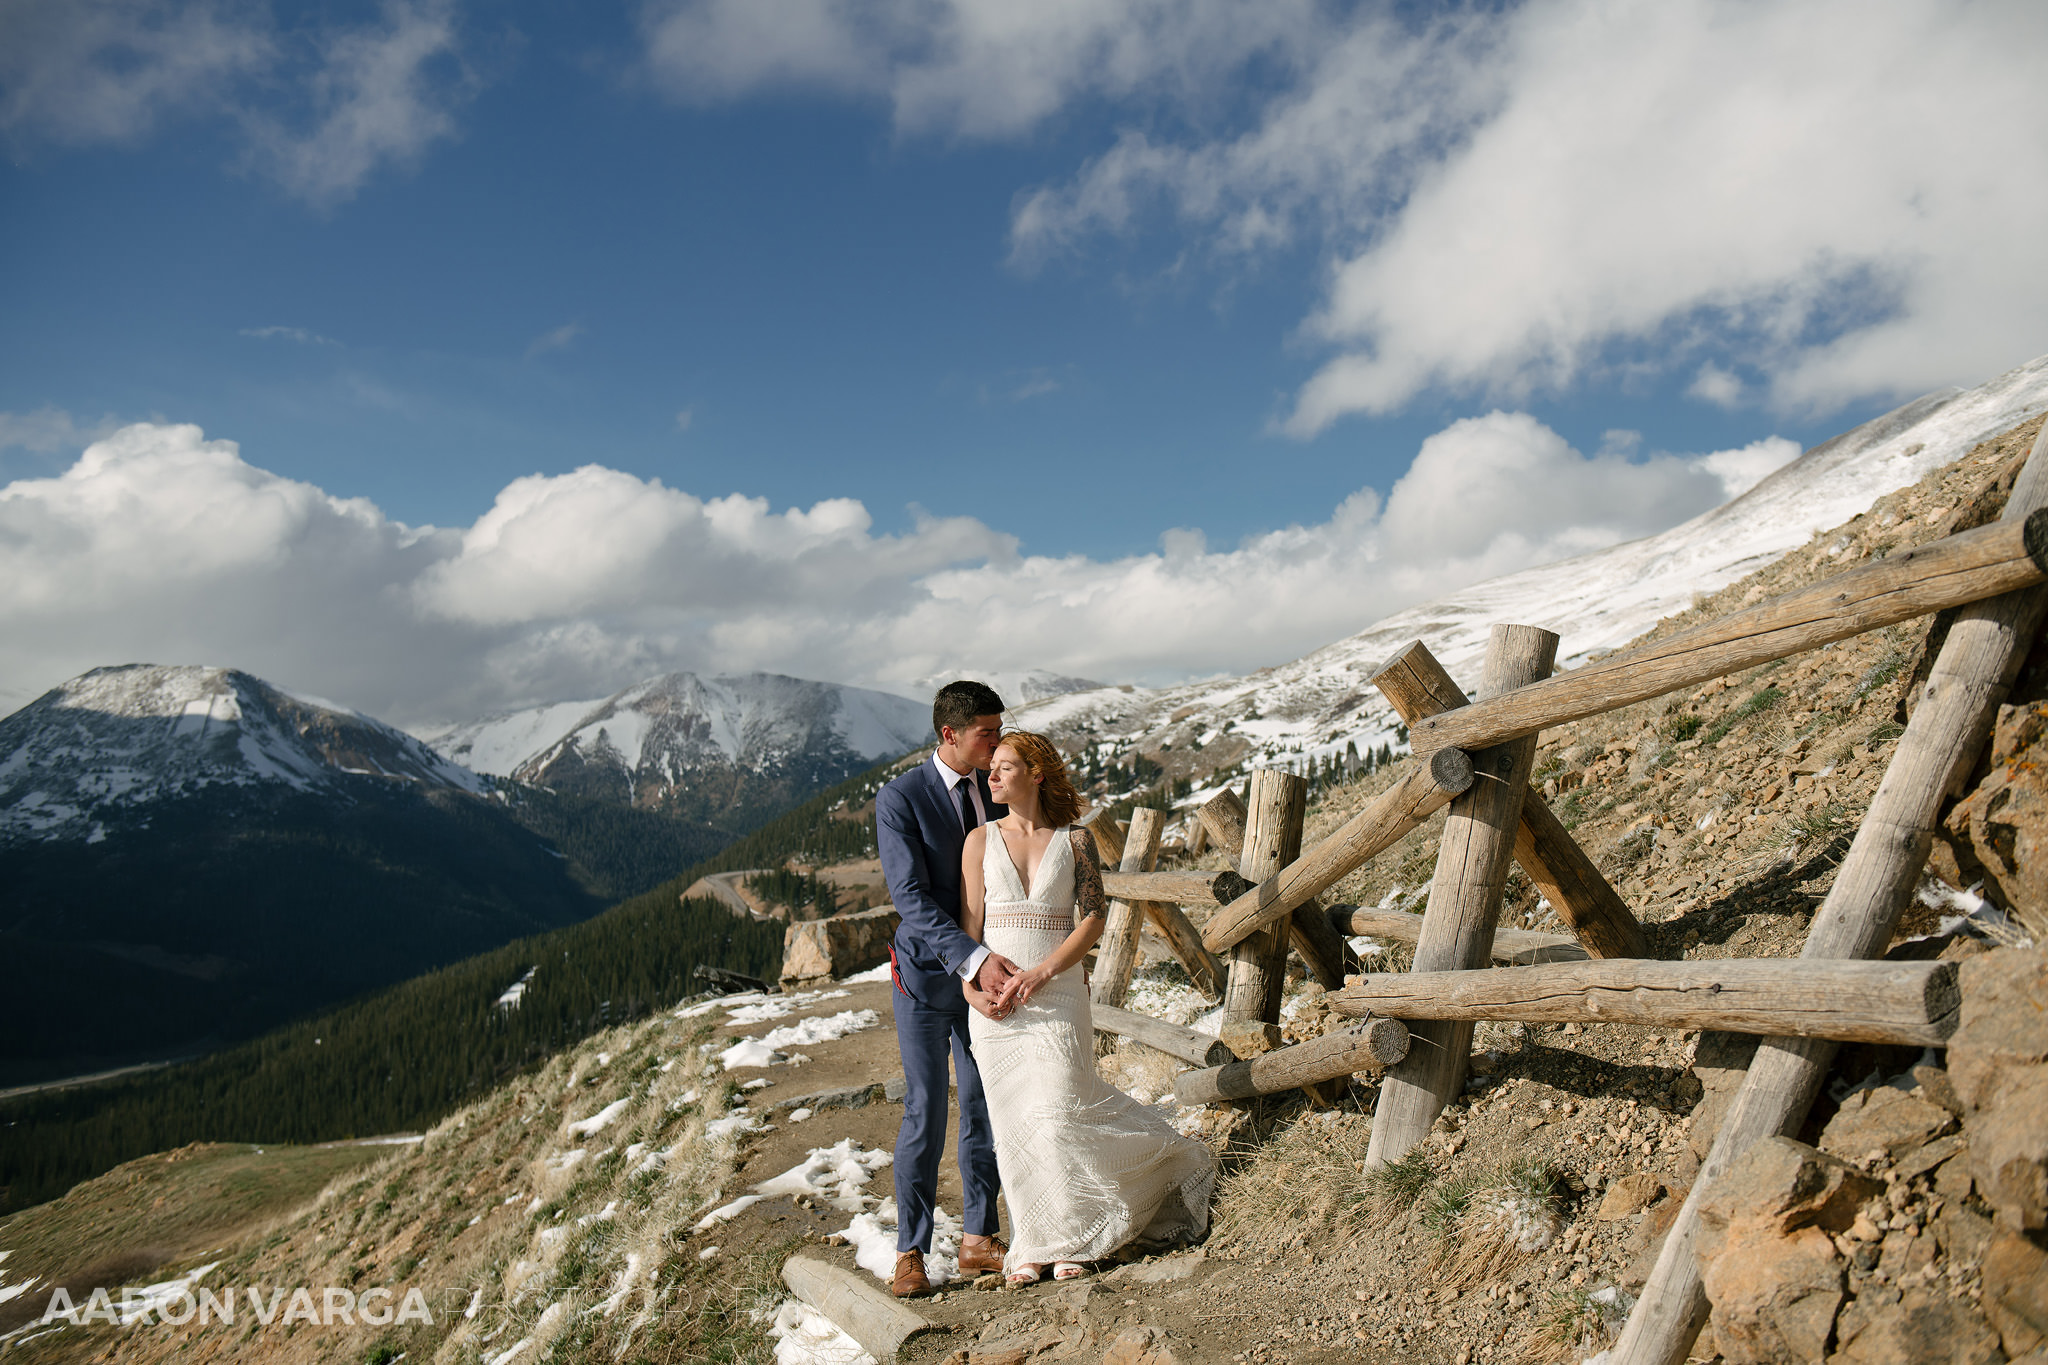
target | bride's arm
x=1091, y=912
x=973, y=907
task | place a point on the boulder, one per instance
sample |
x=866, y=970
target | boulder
x=2016, y=1293
x=1769, y=1266
x=1774, y=1295
x=1998, y=833
x=2009, y=1150
x=1629, y=1196
x=1884, y=1119
x=837, y=946
x=2004, y=1022
x=1138, y=1346
x=1920, y=1329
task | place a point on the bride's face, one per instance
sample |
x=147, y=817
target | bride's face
x=1008, y=778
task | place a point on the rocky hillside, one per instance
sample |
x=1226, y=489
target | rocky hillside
x=729, y=751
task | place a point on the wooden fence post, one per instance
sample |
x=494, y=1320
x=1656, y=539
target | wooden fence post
x=1417, y=686
x=1464, y=901
x=1972, y=676
x=1203, y=966
x=1117, y=952
x=1271, y=840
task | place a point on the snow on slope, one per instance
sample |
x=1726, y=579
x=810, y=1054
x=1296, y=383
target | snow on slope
x=119, y=738
x=1595, y=602
x=1018, y=688
x=673, y=724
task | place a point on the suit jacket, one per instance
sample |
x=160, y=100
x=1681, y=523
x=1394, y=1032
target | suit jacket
x=917, y=830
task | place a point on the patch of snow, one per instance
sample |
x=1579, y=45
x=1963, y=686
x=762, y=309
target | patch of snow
x=726, y=1213
x=804, y=1336
x=597, y=1122
x=873, y=1237
x=880, y=973
x=834, y=1174
x=764, y=1051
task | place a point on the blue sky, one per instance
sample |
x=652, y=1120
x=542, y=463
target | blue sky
x=1044, y=290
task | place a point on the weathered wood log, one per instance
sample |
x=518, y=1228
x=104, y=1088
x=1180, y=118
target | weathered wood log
x=1203, y=967
x=1464, y=900
x=2004, y=557
x=855, y=1303
x=1272, y=839
x=1418, y=794
x=1223, y=816
x=1320, y=946
x=1373, y=1045
x=1866, y=1002
x=1417, y=686
x=1116, y=952
x=1189, y=886
x=1198, y=838
x=1971, y=677
x=1511, y=947
x=1203, y=1049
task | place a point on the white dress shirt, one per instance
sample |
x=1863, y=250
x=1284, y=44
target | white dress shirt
x=953, y=781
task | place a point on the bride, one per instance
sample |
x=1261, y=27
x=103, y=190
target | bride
x=1085, y=1168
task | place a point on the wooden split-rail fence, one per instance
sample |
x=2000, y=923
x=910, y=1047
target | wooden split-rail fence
x=1415, y=1027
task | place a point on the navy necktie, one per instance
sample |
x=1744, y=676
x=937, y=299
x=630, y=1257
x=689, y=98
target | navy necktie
x=967, y=820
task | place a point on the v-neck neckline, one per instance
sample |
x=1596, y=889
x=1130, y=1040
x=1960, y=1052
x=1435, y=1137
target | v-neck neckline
x=1028, y=884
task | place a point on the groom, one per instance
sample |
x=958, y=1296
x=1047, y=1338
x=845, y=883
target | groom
x=921, y=821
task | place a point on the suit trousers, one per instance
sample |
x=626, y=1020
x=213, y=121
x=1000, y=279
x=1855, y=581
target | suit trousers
x=926, y=1035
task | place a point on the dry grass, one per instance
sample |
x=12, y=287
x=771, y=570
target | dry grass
x=1307, y=1179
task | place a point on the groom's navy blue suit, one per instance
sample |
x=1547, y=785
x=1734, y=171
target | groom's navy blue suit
x=919, y=833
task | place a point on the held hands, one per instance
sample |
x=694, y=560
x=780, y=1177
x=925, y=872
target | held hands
x=985, y=992
x=1021, y=987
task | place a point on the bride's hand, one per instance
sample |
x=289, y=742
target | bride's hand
x=1022, y=987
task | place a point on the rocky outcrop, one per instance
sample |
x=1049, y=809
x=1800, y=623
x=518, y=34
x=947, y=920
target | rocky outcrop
x=1914, y=1231
x=838, y=946
x=1997, y=835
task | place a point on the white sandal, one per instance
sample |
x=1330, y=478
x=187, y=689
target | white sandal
x=1068, y=1270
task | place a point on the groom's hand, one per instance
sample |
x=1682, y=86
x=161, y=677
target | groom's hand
x=995, y=973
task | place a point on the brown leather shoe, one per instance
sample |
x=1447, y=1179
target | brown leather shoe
x=910, y=1278
x=982, y=1259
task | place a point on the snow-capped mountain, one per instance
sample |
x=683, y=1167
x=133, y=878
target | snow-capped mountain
x=1317, y=705
x=117, y=740
x=739, y=748
x=1018, y=688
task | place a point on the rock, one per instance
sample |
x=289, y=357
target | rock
x=1720, y=1062
x=1998, y=833
x=1629, y=1196
x=838, y=945
x=852, y=1097
x=1248, y=1038
x=1774, y=1295
x=2016, y=1292
x=1884, y=1119
x=1920, y=1330
x=2004, y=1022
x=1161, y=1271
x=1138, y=1346
x=1782, y=1186
x=2009, y=1150
x=1932, y=1155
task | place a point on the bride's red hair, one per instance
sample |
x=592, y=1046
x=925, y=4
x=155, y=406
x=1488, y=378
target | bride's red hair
x=1058, y=802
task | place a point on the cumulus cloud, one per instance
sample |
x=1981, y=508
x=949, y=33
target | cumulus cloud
x=554, y=340
x=1833, y=195
x=321, y=111
x=300, y=335
x=49, y=430
x=970, y=68
x=160, y=544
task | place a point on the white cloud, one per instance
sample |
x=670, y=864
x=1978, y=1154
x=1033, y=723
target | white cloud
x=159, y=544
x=554, y=340
x=321, y=110
x=1716, y=385
x=298, y=334
x=684, y=418
x=967, y=68
x=381, y=95
x=48, y=430
x=76, y=72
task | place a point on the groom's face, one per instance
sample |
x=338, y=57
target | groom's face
x=976, y=744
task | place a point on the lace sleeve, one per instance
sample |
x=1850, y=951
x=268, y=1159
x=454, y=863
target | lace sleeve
x=1087, y=878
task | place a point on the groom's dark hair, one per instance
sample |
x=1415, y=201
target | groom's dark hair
x=958, y=703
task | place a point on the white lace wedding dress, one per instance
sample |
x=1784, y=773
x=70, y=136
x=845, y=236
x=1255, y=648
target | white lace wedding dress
x=1085, y=1168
